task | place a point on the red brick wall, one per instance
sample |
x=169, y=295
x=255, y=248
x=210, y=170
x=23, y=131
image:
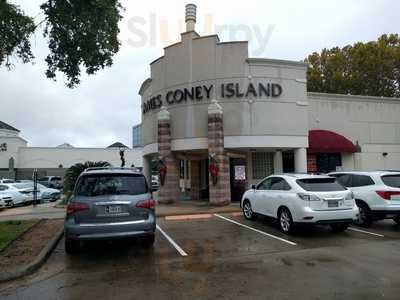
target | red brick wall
x=220, y=193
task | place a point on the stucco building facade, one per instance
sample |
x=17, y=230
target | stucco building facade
x=217, y=121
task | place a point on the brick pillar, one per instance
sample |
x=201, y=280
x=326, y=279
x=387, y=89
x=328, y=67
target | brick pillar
x=220, y=193
x=195, y=180
x=169, y=192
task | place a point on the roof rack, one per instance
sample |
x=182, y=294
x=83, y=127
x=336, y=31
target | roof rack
x=111, y=168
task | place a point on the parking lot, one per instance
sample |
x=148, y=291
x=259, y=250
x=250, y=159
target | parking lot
x=225, y=256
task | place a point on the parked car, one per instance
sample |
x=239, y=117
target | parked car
x=5, y=180
x=155, y=183
x=301, y=199
x=109, y=203
x=45, y=193
x=4, y=198
x=54, y=182
x=20, y=193
x=377, y=194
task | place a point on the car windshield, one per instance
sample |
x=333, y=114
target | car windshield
x=391, y=180
x=21, y=186
x=111, y=184
x=320, y=184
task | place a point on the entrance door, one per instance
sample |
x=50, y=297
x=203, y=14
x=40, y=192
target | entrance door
x=288, y=162
x=237, y=178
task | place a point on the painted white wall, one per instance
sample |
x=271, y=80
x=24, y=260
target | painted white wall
x=372, y=121
x=42, y=157
x=14, y=142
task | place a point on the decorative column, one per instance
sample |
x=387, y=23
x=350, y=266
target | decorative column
x=169, y=189
x=219, y=187
x=278, y=162
x=300, y=160
x=195, y=180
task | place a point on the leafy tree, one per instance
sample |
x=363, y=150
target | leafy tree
x=371, y=68
x=73, y=172
x=15, y=30
x=82, y=34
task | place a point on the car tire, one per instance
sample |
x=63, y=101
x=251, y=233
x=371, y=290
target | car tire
x=397, y=220
x=365, y=215
x=285, y=221
x=11, y=204
x=339, y=227
x=71, y=246
x=248, y=211
x=148, y=241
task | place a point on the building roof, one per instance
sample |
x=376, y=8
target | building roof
x=7, y=127
x=117, y=145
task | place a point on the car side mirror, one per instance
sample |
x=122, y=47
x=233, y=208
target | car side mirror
x=253, y=186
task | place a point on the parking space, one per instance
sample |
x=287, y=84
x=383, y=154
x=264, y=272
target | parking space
x=224, y=256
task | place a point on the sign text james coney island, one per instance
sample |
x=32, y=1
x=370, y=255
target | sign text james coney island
x=200, y=92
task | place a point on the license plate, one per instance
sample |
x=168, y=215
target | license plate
x=113, y=209
x=333, y=203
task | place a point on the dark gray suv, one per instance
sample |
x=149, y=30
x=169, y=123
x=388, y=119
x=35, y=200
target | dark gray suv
x=110, y=203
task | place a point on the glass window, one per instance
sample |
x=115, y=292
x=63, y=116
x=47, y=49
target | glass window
x=391, y=180
x=343, y=179
x=320, y=184
x=55, y=178
x=279, y=184
x=265, y=185
x=262, y=163
x=111, y=184
x=23, y=185
x=361, y=180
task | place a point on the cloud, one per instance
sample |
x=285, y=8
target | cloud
x=104, y=107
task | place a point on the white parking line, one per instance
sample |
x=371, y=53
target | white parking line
x=256, y=230
x=176, y=246
x=367, y=232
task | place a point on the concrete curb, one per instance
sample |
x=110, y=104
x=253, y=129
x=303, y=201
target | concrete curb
x=191, y=212
x=36, y=263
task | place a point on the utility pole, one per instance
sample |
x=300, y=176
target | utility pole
x=35, y=190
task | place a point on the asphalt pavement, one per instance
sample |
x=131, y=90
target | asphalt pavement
x=224, y=256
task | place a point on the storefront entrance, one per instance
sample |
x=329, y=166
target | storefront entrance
x=237, y=172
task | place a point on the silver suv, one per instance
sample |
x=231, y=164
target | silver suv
x=110, y=203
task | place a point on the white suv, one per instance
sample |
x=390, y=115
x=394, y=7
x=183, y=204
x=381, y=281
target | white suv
x=377, y=194
x=301, y=198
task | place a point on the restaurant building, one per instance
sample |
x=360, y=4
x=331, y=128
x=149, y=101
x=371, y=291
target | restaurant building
x=217, y=121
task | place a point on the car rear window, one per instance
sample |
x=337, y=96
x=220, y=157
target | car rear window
x=320, y=184
x=391, y=180
x=55, y=179
x=111, y=184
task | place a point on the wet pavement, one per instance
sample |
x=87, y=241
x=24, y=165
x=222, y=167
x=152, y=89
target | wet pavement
x=225, y=260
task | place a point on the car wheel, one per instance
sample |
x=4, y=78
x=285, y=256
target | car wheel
x=339, y=227
x=285, y=221
x=364, y=215
x=248, y=211
x=148, y=241
x=11, y=204
x=397, y=220
x=71, y=246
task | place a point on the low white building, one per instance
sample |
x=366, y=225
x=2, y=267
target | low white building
x=17, y=160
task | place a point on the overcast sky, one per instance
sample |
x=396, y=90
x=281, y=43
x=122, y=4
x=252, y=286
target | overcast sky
x=104, y=107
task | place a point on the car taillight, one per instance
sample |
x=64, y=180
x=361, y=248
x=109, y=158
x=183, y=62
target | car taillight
x=387, y=194
x=308, y=197
x=150, y=203
x=76, y=206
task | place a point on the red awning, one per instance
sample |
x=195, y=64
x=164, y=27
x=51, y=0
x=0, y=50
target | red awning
x=324, y=141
